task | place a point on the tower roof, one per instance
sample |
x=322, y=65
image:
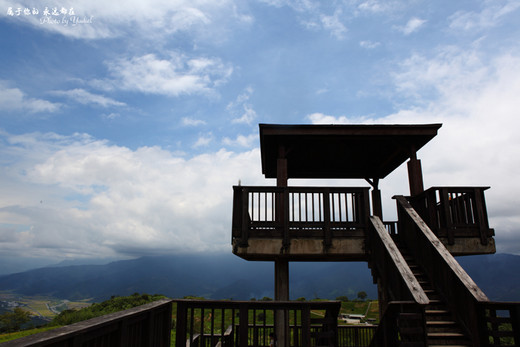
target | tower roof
x=341, y=151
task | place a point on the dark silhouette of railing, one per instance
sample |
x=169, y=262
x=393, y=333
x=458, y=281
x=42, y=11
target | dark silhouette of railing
x=390, y=267
x=402, y=324
x=461, y=293
x=200, y=321
x=299, y=212
x=499, y=323
x=453, y=212
x=148, y=325
x=355, y=335
x=348, y=336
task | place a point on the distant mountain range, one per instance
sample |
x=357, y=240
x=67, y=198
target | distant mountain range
x=227, y=276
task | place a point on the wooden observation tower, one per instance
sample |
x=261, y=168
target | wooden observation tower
x=411, y=259
x=425, y=297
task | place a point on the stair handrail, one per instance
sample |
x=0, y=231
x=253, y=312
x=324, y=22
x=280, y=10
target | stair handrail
x=395, y=328
x=460, y=291
x=408, y=288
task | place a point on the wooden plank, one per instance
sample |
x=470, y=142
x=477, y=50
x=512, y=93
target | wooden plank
x=86, y=330
x=406, y=274
x=442, y=251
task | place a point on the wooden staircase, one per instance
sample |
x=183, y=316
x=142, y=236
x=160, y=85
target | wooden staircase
x=441, y=327
x=326, y=335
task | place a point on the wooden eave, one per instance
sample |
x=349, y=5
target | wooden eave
x=341, y=151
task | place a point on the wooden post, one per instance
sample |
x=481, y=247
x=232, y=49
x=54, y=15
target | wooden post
x=481, y=215
x=281, y=266
x=243, y=325
x=415, y=178
x=381, y=297
x=282, y=175
x=281, y=293
x=181, y=324
x=377, y=206
x=281, y=279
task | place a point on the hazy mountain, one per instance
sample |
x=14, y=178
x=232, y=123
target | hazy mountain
x=498, y=275
x=227, y=276
x=215, y=276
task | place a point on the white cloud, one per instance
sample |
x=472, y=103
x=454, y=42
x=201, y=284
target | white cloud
x=420, y=76
x=369, y=44
x=78, y=196
x=203, y=140
x=478, y=144
x=242, y=141
x=13, y=99
x=242, y=109
x=248, y=115
x=174, y=75
x=84, y=97
x=412, y=26
x=186, y=121
x=373, y=6
x=320, y=118
x=111, y=115
x=490, y=15
x=334, y=25
x=298, y=5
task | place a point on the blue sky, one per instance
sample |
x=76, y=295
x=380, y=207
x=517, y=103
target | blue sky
x=123, y=125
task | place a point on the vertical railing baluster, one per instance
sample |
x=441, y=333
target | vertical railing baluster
x=265, y=206
x=306, y=207
x=201, y=326
x=190, y=336
x=235, y=337
x=313, y=211
x=259, y=207
x=222, y=326
x=339, y=206
x=299, y=206
x=255, y=330
x=327, y=217
x=291, y=204
x=320, y=198
x=333, y=209
x=273, y=206
x=212, y=326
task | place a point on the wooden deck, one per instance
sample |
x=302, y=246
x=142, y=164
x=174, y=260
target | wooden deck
x=331, y=223
x=458, y=217
x=300, y=222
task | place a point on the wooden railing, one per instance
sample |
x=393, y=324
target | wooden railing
x=402, y=324
x=355, y=335
x=299, y=212
x=453, y=212
x=205, y=322
x=348, y=336
x=461, y=293
x=389, y=266
x=499, y=323
x=144, y=326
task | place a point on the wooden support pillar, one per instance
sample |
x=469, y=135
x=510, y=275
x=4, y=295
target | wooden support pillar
x=415, y=177
x=281, y=168
x=281, y=266
x=281, y=280
x=281, y=293
x=377, y=206
x=381, y=297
